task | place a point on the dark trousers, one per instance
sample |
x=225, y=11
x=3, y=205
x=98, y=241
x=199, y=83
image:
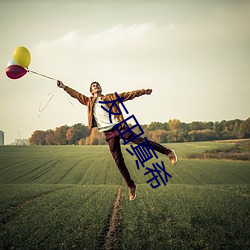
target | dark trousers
x=113, y=139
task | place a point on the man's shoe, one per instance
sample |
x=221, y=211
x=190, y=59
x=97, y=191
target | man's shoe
x=172, y=157
x=132, y=193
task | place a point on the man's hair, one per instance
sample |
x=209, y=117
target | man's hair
x=90, y=88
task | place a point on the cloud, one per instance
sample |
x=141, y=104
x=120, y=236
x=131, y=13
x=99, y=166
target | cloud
x=68, y=38
x=201, y=41
x=119, y=35
x=114, y=47
x=118, y=39
x=107, y=38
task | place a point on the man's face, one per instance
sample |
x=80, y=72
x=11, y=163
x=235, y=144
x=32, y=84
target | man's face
x=95, y=88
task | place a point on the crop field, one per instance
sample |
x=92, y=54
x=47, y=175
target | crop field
x=73, y=197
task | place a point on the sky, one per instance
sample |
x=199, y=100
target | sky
x=195, y=55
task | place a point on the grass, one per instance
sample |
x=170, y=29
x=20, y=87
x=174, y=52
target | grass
x=240, y=150
x=61, y=197
x=63, y=218
x=187, y=217
x=58, y=165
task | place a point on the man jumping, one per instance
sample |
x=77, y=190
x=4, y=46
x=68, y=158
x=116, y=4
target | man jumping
x=98, y=117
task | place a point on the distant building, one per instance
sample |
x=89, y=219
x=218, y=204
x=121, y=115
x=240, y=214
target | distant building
x=1, y=138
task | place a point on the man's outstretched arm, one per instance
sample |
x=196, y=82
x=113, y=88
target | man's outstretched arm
x=80, y=97
x=136, y=93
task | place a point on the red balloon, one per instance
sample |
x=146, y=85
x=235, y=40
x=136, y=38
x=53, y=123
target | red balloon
x=15, y=71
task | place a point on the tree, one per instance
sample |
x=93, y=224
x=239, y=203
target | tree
x=202, y=135
x=50, y=137
x=245, y=129
x=157, y=126
x=236, y=129
x=185, y=130
x=196, y=126
x=175, y=133
x=60, y=134
x=76, y=133
x=159, y=135
x=96, y=138
x=217, y=129
x=82, y=142
x=70, y=136
x=38, y=138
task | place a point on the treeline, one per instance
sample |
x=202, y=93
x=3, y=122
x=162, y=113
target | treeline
x=172, y=131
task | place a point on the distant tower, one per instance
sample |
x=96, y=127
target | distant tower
x=1, y=138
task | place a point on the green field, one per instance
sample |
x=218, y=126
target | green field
x=62, y=197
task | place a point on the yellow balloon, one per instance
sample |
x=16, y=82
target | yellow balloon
x=22, y=56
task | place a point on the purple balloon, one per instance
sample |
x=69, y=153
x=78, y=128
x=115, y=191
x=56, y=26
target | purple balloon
x=15, y=71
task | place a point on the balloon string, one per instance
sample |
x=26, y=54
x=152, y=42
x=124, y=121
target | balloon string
x=31, y=71
x=50, y=96
x=71, y=103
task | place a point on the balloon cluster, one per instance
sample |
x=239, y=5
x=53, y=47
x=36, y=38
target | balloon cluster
x=18, y=65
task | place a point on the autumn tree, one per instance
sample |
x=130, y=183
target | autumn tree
x=95, y=138
x=60, y=134
x=76, y=133
x=159, y=135
x=38, y=138
x=50, y=137
x=175, y=133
